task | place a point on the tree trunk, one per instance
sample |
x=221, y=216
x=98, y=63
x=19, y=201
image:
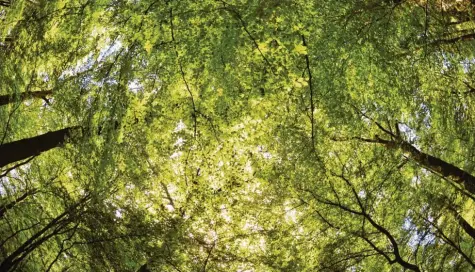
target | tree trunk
x=441, y=167
x=7, y=99
x=465, y=226
x=25, y=148
x=453, y=40
x=461, y=221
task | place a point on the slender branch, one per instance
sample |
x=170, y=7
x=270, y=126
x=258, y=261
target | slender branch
x=62, y=248
x=310, y=84
x=167, y=193
x=244, y=26
x=183, y=76
x=4, y=208
x=16, y=166
x=397, y=255
x=7, y=126
x=449, y=241
x=357, y=255
x=209, y=255
x=380, y=252
x=17, y=232
x=56, y=225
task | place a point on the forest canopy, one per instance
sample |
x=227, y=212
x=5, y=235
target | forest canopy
x=237, y=135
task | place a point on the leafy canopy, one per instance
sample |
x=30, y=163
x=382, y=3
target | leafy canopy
x=145, y=135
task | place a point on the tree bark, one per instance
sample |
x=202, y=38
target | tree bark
x=462, y=222
x=25, y=148
x=465, y=226
x=466, y=37
x=441, y=167
x=7, y=99
x=34, y=146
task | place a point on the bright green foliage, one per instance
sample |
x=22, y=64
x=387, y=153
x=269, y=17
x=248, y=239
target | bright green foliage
x=238, y=135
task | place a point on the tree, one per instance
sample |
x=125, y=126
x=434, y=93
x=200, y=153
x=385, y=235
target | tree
x=26, y=148
x=6, y=99
x=237, y=135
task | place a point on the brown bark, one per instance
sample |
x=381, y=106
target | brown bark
x=34, y=146
x=466, y=37
x=465, y=226
x=143, y=268
x=462, y=222
x=25, y=148
x=7, y=99
x=441, y=167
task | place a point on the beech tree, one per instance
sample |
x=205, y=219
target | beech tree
x=224, y=135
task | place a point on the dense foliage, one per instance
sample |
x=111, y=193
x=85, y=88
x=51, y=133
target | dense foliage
x=237, y=135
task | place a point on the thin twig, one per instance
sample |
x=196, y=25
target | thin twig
x=17, y=165
x=244, y=26
x=195, y=121
x=310, y=84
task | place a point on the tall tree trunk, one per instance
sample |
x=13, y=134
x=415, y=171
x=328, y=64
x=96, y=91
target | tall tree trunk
x=465, y=225
x=25, y=148
x=5, y=3
x=441, y=167
x=34, y=146
x=7, y=99
x=453, y=40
